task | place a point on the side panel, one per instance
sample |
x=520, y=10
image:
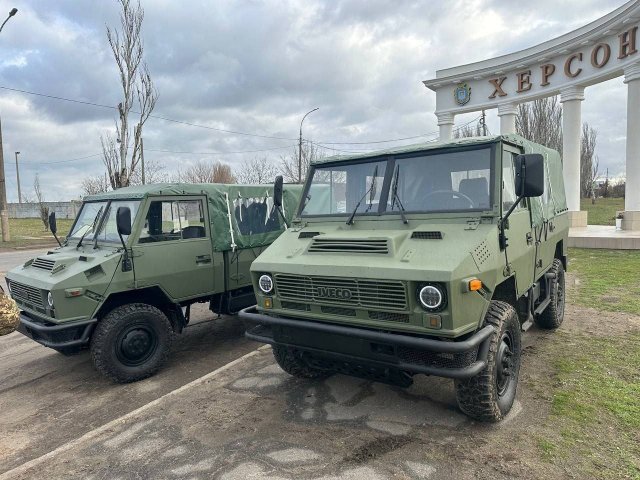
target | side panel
x=237, y=265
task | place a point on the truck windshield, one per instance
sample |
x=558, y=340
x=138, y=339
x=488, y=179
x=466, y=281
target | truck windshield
x=102, y=216
x=450, y=181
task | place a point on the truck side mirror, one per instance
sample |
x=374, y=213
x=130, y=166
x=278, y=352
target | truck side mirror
x=53, y=226
x=530, y=175
x=123, y=220
x=277, y=191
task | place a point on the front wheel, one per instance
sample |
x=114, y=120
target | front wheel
x=131, y=342
x=490, y=394
x=292, y=362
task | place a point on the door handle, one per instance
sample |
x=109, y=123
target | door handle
x=203, y=259
x=529, y=238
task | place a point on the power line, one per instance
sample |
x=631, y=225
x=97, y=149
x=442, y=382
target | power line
x=162, y=151
x=158, y=117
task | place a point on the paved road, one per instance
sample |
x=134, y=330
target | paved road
x=47, y=399
x=11, y=259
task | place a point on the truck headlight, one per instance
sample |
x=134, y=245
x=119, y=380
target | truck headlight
x=50, y=299
x=432, y=297
x=265, y=282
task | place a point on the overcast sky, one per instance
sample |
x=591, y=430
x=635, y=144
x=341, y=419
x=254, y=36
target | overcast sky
x=257, y=66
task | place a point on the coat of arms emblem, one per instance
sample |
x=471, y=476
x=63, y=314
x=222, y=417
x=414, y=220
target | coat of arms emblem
x=462, y=94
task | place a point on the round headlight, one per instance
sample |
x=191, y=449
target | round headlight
x=265, y=283
x=431, y=297
x=50, y=299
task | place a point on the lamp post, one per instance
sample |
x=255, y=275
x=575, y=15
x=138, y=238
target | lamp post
x=18, y=178
x=12, y=12
x=4, y=215
x=300, y=145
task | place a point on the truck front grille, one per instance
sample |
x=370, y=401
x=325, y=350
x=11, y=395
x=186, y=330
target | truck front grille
x=366, y=293
x=27, y=295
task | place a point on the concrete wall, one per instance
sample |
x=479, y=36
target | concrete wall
x=32, y=210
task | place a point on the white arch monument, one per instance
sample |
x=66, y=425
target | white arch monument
x=602, y=50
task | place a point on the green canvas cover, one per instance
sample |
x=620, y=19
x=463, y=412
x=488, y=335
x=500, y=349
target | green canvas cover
x=241, y=216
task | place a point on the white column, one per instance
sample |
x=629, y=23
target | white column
x=445, y=122
x=507, y=113
x=631, y=219
x=571, y=99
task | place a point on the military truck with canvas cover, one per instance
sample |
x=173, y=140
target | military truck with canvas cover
x=134, y=262
x=429, y=259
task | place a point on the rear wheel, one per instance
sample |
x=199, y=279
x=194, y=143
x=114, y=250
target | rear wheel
x=131, y=342
x=292, y=362
x=490, y=394
x=553, y=315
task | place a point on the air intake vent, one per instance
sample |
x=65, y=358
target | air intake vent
x=427, y=235
x=43, y=263
x=334, y=245
x=481, y=253
x=308, y=234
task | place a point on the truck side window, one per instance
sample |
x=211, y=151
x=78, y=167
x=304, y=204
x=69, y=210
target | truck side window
x=169, y=220
x=508, y=183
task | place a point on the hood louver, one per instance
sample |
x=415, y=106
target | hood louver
x=308, y=234
x=427, y=235
x=43, y=263
x=343, y=245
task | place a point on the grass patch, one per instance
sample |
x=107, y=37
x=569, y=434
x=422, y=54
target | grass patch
x=608, y=280
x=596, y=404
x=26, y=232
x=604, y=210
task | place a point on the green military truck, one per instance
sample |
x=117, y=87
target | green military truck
x=429, y=259
x=134, y=262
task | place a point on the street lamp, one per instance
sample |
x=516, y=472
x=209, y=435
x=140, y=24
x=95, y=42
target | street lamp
x=300, y=145
x=12, y=12
x=18, y=178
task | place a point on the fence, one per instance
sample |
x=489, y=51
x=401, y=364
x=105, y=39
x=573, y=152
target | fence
x=32, y=210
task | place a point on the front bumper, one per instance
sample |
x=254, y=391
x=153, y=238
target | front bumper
x=74, y=334
x=364, y=348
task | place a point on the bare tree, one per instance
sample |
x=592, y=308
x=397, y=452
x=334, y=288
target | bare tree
x=154, y=171
x=259, y=171
x=96, y=184
x=137, y=86
x=44, y=209
x=588, y=160
x=541, y=121
x=466, y=131
x=207, y=172
x=289, y=163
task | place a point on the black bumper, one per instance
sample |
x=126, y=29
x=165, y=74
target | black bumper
x=372, y=348
x=74, y=334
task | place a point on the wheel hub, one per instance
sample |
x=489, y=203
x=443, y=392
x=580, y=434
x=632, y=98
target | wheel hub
x=505, y=364
x=136, y=345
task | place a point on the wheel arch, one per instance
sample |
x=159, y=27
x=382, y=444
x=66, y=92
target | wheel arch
x=154, y=296
x=561, y=253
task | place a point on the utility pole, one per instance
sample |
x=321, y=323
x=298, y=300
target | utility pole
x=18, y=178
x=142, y=158
x=483, y=122
x=4, y=215
x=300, y=146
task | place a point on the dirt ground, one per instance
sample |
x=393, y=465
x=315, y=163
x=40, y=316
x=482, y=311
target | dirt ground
x=254, y=421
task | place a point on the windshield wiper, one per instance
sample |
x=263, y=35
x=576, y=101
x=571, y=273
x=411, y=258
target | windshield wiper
x=371, y=190
x=93, y=226
x=395, y=197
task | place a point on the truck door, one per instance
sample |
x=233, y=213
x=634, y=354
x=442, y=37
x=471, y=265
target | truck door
x=174, y=250
x=520, y=252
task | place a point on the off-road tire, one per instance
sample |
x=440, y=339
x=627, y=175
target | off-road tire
x=553, y=315
x=292, y=362
x=108, y=350
x=479, y=397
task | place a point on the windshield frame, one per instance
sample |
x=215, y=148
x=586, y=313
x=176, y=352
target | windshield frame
x=101, y=220
x=385, y=193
